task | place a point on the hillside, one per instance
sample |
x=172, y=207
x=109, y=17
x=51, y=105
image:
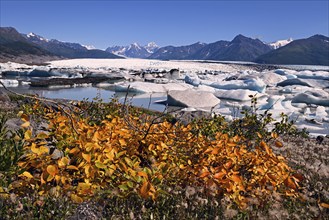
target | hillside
x=311, y=51
x=14, y=47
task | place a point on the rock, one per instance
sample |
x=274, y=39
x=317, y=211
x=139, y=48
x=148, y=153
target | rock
x=192, y=98
x=13, y=124
x=4, y=97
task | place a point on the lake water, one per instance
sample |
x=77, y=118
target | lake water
x=89, y=93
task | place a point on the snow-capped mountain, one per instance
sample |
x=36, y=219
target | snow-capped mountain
x=280, y=43
x=134, y=50
x=67, y=49
x=151, y=47
x=89, y=47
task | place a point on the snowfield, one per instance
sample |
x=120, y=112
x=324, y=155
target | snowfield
x=301, y=92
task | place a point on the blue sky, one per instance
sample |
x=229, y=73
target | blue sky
x=108, y=23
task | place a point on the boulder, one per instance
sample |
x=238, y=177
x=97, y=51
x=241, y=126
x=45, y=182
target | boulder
x=4, y=97
x=192, y=98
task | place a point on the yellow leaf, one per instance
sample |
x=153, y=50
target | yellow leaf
x=71, y=167
x=324, y=205
x=57, y=178
x=274, y=135
x=26, y=124
x=74, y=150
x=42, y=179
x=123, y=142
x=75, y=198
x=265, y=147
x=204, y=174
x=52, y=170
x=63, y=180
x=63, y=162
x=39, y=150
x=28, y=135
x=42, y=135
x=50, y=178
x=27, y=174
x=259, y=135
x=87, y=157
x=145, y=189
x=236, y=178
x=100, y=165
x=290, y=183
x=219, y=175
x=278, y=144
x=24, y=117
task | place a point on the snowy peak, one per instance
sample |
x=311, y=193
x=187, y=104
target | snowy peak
x=134, y=50
x=280, y=43
x=35, y=37
x=151, y=47
x=89, y=47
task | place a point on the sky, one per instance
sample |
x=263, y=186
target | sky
x=107, y=23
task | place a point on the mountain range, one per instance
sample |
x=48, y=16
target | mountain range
x=134, y=50
x=314, y=50
x=67, y=49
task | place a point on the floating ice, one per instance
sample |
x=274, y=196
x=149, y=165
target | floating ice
x=191, y=98
x=312, y=97
x=251, y=84
x=305, y=82
x=237, y=95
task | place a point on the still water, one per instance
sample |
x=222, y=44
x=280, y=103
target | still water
x=90, y=93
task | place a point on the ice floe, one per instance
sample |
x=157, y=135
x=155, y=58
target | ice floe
x=302, y=93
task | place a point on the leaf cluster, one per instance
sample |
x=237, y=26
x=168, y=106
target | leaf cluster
x=76, y=157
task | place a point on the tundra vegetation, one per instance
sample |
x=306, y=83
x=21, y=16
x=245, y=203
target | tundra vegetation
x=91, y=160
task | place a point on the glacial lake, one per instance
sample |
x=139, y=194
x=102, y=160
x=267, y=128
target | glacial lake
x=90, y=93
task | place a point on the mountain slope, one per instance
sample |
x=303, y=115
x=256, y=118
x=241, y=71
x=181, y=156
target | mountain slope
x=177, y=53
x=311, y=51
x=208, y=51
x=14, y=47
x=241, y=48
x=66, y=49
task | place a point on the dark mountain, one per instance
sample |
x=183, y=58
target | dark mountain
x=66, y=49
x=208, y=51
x=177, y=53
x=311, y=51
x=241, y=48
x=14, y=47
x=134, y=50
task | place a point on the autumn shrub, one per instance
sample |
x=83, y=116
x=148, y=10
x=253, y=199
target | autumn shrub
x=123, y=152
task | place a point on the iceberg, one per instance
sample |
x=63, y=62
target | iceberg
x=250, y=84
